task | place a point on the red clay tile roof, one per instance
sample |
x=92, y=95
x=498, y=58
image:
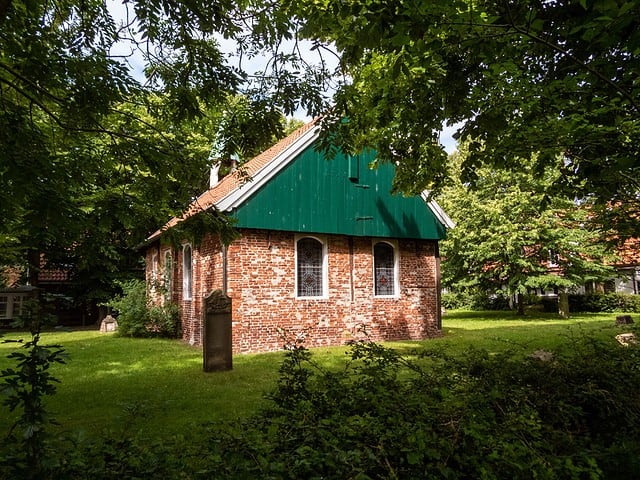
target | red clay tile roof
x=48, y=275
x=629, y=253
x=235, y=180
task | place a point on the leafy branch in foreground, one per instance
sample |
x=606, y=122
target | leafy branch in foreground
x=25, y=387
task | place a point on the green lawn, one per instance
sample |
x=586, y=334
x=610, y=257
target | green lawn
x=158, y=387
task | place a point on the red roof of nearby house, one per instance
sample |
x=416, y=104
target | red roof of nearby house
x=236, y=179
x=51, y=275
x=629, y=253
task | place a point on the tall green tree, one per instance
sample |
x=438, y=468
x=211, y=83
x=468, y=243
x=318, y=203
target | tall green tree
x=95, y=154
x=527, y=80
x=512, y=236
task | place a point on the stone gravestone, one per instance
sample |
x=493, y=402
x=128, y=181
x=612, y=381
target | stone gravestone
x=624, y=320
x=216, y=338
x=108, y=324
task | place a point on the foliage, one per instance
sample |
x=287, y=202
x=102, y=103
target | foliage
x=136, y=319
x=432, y=412
x=480, y=416
x=474, y=299
x=164, y=321
x=113, y=137
x=527, y=83
x=605, y=302
x=27, y=450
x=428, y=415
x=511, y=233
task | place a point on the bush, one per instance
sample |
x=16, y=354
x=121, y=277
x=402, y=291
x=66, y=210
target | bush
x=479, y=416
x=549, y=304
x=455, y=300
x=475, y=300
x=496, y=301
x=164, y=321
x=570, y=414
x=605, y=302
x=136, y=319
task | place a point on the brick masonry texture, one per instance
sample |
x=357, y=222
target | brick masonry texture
x=265, y=310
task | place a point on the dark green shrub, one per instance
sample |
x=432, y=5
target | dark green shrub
x=494, y=301
x=516, y=415
x=27, y=451
x=164, y=321
x=605, y=302
x=131, y=309
x=479, y=416
x=455, y=300
x=549, y=304
x=475, y=300
x=136, y=319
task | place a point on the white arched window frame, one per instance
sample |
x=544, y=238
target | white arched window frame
x=168, y=274
x=311, y=267
x=385, y=269
x=187, y=271
x=154, y=269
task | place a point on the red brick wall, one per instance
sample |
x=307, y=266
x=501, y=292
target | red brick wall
x=261, y=284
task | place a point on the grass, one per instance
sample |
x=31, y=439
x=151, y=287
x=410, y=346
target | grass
x=157, y=387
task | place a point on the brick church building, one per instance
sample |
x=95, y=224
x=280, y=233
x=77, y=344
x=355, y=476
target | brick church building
x=324, y=250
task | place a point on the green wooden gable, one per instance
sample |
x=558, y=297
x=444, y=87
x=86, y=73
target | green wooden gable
x=339, y=196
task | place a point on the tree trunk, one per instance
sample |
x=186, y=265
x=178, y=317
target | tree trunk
x=563, y=304
x=33, y=263
x=4, y=6
x=520, y=304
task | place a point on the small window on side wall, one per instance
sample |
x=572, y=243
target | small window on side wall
x=384, y=270
x=168, y=275
x=310, y=268
x=154, y=267
x=187, y=272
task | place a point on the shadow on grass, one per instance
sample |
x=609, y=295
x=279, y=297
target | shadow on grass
x=158, y=387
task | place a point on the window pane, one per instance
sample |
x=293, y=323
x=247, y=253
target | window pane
x=17, y=305
x=168, y=269
x=4, y=301
x=186, y=273
x=309, y=268
x=384, y=271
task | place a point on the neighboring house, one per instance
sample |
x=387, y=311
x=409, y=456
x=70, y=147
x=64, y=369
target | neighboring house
x=627, y=267
x=53, y=284
x=13, y=301
x=324, y=251
x=627, y=273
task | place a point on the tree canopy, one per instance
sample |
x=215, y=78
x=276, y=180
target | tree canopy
x=511, y=236
x=95, y=155
x=88, y=149
x=529, y=81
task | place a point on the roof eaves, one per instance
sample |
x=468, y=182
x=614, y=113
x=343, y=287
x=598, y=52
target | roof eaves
x=236, y=197
x=437, y=210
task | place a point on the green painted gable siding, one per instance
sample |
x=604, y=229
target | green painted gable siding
x=338, y=196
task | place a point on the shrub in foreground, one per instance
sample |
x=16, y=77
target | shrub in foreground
x=479, y=416
x=426, y=415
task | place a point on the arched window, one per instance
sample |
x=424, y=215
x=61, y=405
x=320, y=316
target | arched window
x=154, y=269
x=168, y=275
x=310, y=268
x=187, y=272
x=384, y=269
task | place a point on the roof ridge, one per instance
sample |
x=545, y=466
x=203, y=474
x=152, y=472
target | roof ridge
x=234, y=180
